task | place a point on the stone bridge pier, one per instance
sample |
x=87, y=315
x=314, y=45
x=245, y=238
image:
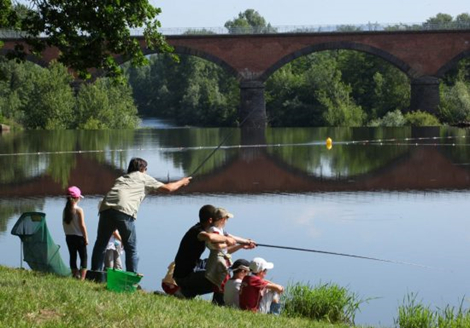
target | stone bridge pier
x=252, y=113
x=425, y=94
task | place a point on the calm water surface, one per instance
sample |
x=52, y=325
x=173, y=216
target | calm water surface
x=397, y=194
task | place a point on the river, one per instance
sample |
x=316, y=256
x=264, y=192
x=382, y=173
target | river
x=394, y=194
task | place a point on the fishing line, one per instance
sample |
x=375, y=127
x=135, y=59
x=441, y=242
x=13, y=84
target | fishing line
x=344, y=254
x=371, y=142
x=220, y=144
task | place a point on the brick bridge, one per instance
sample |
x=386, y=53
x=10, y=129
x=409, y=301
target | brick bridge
x=255, y=171
x=424, y=56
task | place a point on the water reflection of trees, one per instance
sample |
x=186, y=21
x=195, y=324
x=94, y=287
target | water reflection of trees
x=54, y=153
x=190, y=159
x=348, y=157
x=13, y=208
x=26, y=155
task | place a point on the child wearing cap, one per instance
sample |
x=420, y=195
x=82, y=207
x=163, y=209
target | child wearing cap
x=240, y=269
x=258, y=294
x=76, y=236
x=219, y=260
x=112, y=258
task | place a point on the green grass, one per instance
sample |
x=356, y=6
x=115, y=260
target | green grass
x=32, y=299
x=413, y=314
x=326, y=302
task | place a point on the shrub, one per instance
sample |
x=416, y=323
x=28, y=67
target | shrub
x=415, y=315
x=455, y=103
x=419, y=118
x=324, y=302
x=394, y=118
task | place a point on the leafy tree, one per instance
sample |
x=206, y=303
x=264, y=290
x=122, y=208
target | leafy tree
x=290, y=98
x=5, y=10
x=192, y=92
x=348, y=28
x=104, y=105
x=390, y=119
x=377, y=86
x=439, y=21
x=419, y=118
x=310, y=92
x=463, y=20
x=455, y=103
x=250, y=21
x=50, y=103
x=41, y=98
x=88, y=33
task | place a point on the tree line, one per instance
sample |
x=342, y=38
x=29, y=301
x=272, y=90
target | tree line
x=33, y=97
x=329, y=88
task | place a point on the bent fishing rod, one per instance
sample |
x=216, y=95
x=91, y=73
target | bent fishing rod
x=344, y=254
x=220, y=145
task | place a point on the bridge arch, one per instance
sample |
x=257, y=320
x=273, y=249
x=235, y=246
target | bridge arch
x=340, y=45
x=452, y=63
x=29, y=57
x=182, y=50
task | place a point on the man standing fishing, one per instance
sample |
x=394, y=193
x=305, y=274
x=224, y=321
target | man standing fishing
x=118, y=210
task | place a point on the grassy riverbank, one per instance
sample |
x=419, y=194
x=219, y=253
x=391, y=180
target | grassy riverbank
x=31, y=299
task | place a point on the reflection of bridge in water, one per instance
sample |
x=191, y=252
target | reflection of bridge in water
x=255, y=171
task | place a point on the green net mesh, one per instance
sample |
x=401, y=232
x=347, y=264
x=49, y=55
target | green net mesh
x=39, y=249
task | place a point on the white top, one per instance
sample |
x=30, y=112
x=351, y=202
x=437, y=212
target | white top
x=232, y=292
x=73, y=228
x=218, y=231
x=128, y=192
x=114, y=244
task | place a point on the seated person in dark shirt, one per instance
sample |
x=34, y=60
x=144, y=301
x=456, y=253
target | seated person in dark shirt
x=188, y=273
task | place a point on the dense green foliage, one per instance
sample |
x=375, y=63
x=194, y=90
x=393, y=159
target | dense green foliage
x=38, y=98
x=396, y=118
x=328, y=88
x=87, y=33
x=324, y=302
x=191, y=92
x=249, y=21
x=32, y=299
x=413, y=314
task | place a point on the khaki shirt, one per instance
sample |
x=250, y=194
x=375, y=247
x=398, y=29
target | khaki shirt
x=128, y=192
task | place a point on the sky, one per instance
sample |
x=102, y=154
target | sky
x=214, y=13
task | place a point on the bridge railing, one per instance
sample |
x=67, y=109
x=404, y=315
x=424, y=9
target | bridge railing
x=369, y=27
x=345, y=28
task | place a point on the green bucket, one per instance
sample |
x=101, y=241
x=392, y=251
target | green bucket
x=122, y=281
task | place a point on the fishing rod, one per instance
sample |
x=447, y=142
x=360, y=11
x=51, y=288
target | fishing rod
x=220, y=145
x=343, y=254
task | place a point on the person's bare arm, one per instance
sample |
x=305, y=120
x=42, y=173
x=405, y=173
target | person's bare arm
x=275, y=287
x=216, y=238
x=117, y=235
x=173, y=186
x=242, y=243
x=81, y=223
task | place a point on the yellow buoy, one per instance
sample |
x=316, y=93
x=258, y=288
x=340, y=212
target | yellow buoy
x=329, y=143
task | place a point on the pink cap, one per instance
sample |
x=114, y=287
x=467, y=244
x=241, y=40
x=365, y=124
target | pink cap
x=74, y=192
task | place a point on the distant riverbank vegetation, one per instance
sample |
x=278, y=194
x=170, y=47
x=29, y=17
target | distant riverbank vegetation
x=32, y=97
x=328, y=88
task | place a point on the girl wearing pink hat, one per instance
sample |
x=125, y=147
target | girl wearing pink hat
x=76, y=236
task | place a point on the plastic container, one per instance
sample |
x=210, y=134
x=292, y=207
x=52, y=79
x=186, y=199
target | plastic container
x=122, y=281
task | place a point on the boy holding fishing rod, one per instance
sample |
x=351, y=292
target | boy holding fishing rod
x=220, y=260
x=190, y=271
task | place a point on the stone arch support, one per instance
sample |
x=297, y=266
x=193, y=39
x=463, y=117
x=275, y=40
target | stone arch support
x=425, y=94
x=252, y=113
